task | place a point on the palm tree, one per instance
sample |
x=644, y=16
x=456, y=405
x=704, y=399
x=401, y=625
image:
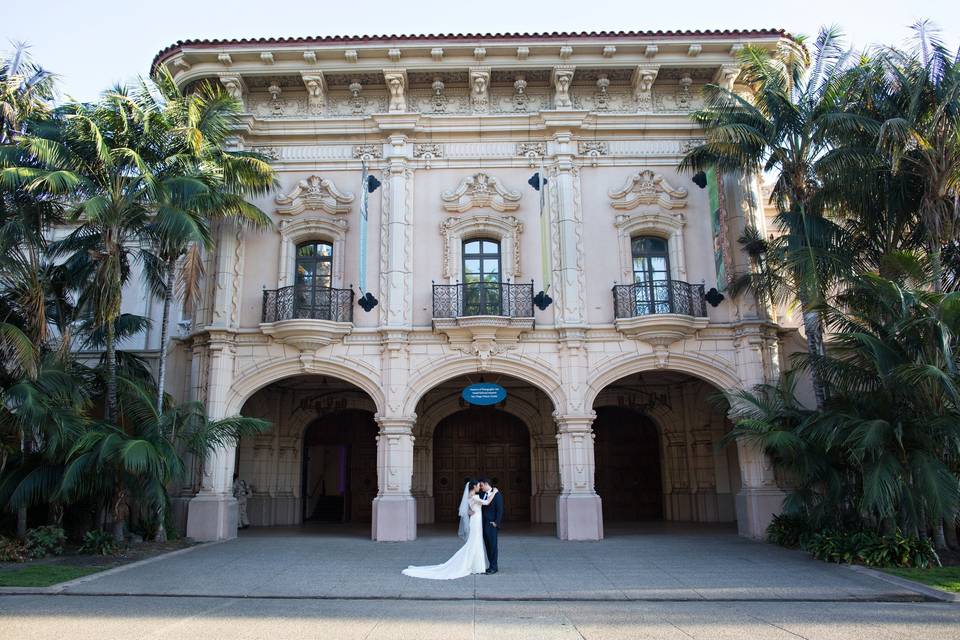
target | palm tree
x=921, y=134
x=782, y=129
x=205, y=181
x=140, y=454
x=26, y=90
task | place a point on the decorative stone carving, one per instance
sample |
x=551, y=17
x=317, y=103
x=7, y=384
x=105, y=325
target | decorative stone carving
x=651, y=51
x=593, y=149
x=694, y=50
x=643, y=79
x=727, y=75
x=520, y=98
x=316, y=87
x=532, y=151
x=647, y=187
x=482, y=191
x=566, y=52
x=271, y=153
x=562, y=78
x=480, y=89
x=314, y=194
x=358, y=103
x=293, y=231
x=437, y=54
x=396, y=86
x=310, y=57
x=438, y=100
x=684, y=97
x=427, y=152
x=601, y=99
x=479, y=54
x=234, y=85
x=523, y=53
x=455, y=230
x=367, y=151
x=276, y=105
x=266, y=57
x=609, y=51
x=350, y=55
x=180, y=64
x=483, y=336
x=225, y=59
x=394, y=54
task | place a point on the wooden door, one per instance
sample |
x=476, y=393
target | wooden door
x=356, y=432
x=627, y=452
x=481, y=441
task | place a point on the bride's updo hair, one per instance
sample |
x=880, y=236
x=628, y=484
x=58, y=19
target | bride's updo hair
x=472, y=483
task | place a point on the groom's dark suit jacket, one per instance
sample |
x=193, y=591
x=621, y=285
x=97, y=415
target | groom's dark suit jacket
x=493, y=512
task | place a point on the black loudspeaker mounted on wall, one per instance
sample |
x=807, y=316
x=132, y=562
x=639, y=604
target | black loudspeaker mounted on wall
x=700, y=179
x=372, y=184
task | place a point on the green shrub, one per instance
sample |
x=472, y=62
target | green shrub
x=871, y=549
x=787, y=531
x=12, y=550
x=43, y=541
x=99, y=542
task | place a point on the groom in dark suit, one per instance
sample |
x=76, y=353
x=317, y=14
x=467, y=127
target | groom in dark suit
x=492, y=515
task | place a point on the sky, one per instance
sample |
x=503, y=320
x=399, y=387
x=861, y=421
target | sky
x=93, y=44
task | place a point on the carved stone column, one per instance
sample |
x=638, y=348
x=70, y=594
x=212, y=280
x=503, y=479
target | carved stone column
x=579, y=511
x=212, y=513
x=546, y=475
x=396, y=244
x=566, y=217
x=760, y=498
x=394, y=510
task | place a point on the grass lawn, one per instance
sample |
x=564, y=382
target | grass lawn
x=44, y=575
x=945, y=578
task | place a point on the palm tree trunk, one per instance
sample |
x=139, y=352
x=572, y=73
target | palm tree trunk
x=813, y=327
x=165, y=333
x=950, y=531
x=939, y=539
x=111, y=403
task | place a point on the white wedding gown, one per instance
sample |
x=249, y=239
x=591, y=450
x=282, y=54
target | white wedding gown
x=471, y=558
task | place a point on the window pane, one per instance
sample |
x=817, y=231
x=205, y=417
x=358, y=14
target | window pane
x=305, y=250
x=471, y=270
x=471, y=246
x=491, y=247
x=658, y=263
x=325, y=250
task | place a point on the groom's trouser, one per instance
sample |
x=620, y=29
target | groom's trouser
x=490, y=542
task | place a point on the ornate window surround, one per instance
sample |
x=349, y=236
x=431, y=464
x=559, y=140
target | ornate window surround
x=506, y=229
x=668, y=226
x=306, y=229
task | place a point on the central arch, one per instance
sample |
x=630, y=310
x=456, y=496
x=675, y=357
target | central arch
x=483, y=439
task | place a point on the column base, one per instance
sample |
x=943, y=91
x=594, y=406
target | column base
x=212, y=517
x=755, y=510
x=579, y=517
x=394, y=519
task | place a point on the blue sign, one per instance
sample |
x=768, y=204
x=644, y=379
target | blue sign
x=484, y=393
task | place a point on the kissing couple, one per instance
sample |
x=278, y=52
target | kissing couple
x=481, y=512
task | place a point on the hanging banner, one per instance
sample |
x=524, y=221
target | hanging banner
x=718, y=220
x=362, y=278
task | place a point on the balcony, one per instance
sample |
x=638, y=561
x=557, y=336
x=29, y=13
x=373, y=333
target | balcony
x=483, y=318
x=307, y=317
x=659, y=312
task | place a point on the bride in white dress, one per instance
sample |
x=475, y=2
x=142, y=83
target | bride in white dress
x=472, y=557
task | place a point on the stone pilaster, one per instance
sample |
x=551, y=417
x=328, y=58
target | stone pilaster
x=579, y=511
x=545, y=475
x=394, y=509
x=396, y=245
x=212, y=514
x=566, y=216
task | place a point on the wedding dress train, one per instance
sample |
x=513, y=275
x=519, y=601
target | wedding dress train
x=471, y=558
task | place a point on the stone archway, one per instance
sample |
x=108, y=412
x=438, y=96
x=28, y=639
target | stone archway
x=307, y=410
x=481, y=441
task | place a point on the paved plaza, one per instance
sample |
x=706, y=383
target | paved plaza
x=656, y=581
x=654, y=562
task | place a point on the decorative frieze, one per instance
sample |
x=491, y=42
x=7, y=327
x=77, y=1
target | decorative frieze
x=427, y=152
x=367, y=151
x=314, y=194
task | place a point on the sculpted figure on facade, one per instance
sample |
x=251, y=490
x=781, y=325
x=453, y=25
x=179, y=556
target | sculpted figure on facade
x=521, y=100
x=479, y=90
x=562, y=79
x=643, y=79
x=233, y=85
x=397, y=86
x=316, y=92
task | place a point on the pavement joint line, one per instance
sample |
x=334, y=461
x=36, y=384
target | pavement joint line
x=931, y=593
x=60, y=586
x=885, y=599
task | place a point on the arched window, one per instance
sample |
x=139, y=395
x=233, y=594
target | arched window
x=313, y=279
x=651, y=274
x=481, y=277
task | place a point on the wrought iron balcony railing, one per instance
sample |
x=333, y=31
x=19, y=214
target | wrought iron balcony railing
x=483, y=299
x=308, y=303
x=659, y=297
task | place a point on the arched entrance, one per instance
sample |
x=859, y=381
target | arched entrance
x=318, y=462
x=627, y=454
x=339, y=476
x=660, y=451
x=481, y=441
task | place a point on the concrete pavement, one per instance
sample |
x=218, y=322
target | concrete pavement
x=656, y=562
x=107, y=618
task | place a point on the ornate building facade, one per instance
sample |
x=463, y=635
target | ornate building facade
x=456, y=209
